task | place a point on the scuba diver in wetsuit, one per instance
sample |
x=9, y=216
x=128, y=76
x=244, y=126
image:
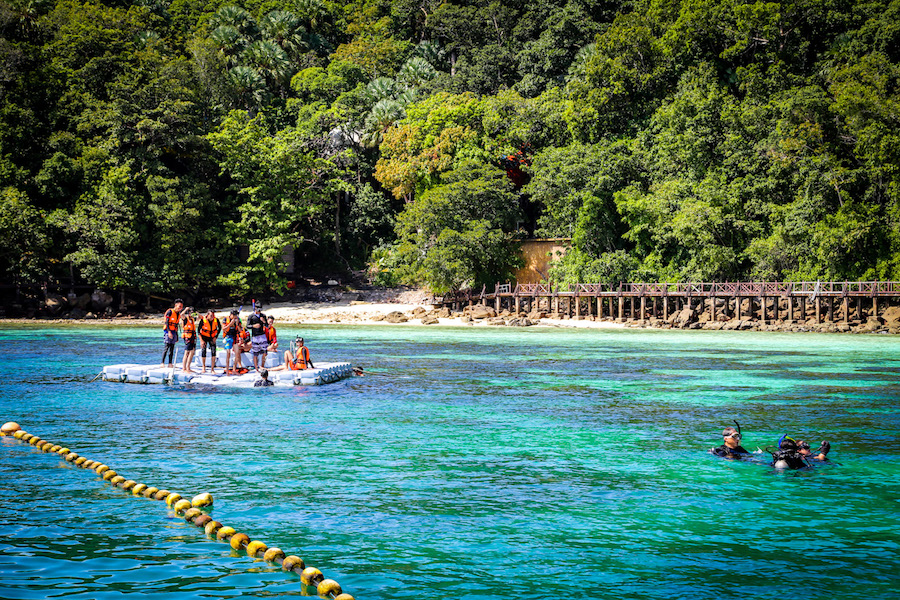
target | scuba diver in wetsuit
x=731, y=444
x=821, y=453
x=788, y=455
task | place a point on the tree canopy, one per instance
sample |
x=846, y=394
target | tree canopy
x=186, y=145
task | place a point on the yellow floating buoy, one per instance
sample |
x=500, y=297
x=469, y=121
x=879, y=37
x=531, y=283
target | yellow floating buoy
x=225, y=532
x=238, y=540
x=128, y=484
x=88, y=464
x=255, y=547
x=19, y=434
x=33, y=440
x=138, y=488
x=63, y=451
x=344, y=597
x=101, y=469
x=311, y=576
x=181, y=506
x=44, y=446
x=161, y=494
x=291, y=563
x=212, y=527
x=191, y=514
x=71, y=457
x=272, y=554
x=150, y=491
x=80, y=461
x=202, y=520
x=9, y=428
x=328, y=587
x=204, y=499
x=117, y=480
x=107, y=475
x=172, y=499
x=55, y=448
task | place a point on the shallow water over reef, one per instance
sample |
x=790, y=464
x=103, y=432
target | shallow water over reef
x=469, y=463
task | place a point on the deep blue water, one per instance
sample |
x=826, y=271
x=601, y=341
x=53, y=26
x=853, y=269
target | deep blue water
x=470, y=463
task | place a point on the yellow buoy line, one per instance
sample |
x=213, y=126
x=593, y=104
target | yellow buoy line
x=190, y=511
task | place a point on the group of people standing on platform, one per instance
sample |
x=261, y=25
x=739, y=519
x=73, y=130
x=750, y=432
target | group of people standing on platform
x=258, y=338
x=789, y=454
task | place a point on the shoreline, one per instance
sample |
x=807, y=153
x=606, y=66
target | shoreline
x=422, y=314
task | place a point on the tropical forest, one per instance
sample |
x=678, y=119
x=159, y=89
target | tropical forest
x=195, y=145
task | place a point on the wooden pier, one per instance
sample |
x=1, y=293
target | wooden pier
x=793, y=301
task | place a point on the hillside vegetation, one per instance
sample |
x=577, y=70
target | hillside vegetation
x=155, y=146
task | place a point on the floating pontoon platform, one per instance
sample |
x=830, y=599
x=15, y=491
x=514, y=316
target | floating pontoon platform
x=135, y=373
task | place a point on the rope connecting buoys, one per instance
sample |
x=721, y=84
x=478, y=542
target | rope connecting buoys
x=190, y=511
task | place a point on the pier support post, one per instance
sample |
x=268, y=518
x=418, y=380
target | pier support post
x=846, y=308
x=859, y=309
x=599, y=307
x=831, y=309
x=577, y=307
x=762, y=308
x=818, y=310
x=790, y=302
x=712, y=308
x=803, y=308
x=665, y=308
x=874, y=306
x=643, y=307
x=621, y=308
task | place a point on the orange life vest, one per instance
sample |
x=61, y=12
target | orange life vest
x=270, y=335
x=172, y=320
x=300, y=360
x=189, y=329
x=209, y=329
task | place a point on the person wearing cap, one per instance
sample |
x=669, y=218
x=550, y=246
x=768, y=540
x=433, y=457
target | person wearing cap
x=170, y=332
x=259, y=343
x=230, y=331
x=263, y=380
x=731, y=445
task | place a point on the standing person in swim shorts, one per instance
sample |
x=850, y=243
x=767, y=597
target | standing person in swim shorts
x=170, y=332
x=257, y=324
x=210, y=326
x=189, y=327
x=230, y=332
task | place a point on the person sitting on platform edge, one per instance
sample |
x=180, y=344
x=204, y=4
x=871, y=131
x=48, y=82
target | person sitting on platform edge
x=263, y=381
x=731, y=446
x=170, y=332
x=259, y=343
x=298, y=363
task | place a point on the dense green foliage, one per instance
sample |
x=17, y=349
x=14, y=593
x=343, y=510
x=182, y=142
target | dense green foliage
x=186, y=145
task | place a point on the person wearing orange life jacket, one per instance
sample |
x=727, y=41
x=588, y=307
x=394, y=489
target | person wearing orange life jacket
x=170, y=332
x=230, y=331
x=189, y=326
x=210, y=327
x=299, y=362
x=272, y=335
x=242, y=345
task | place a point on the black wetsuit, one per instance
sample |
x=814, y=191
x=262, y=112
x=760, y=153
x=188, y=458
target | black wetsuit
x=726, y=452
x=263, y=383
x=793, y=459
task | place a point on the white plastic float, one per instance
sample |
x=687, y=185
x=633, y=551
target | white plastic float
x=135, y=373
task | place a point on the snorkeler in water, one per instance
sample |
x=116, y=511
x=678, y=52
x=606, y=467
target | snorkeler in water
x=788, y=455
x=820, y=454
x=731, y=443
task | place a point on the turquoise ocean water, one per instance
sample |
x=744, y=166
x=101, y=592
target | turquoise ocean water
x=470, y=463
